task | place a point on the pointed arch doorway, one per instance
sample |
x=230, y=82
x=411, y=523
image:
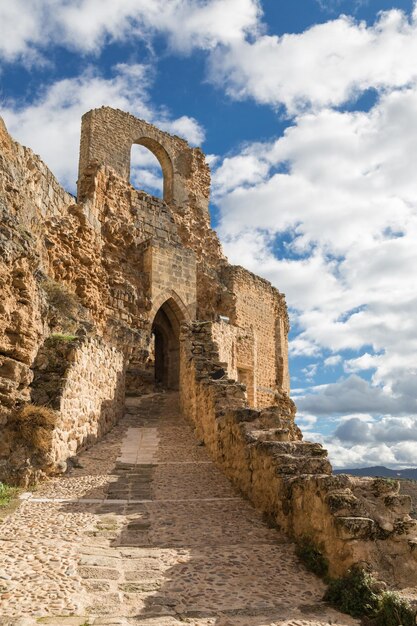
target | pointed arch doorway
x=166, y=336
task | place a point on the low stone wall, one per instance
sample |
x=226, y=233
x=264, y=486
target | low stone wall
x=350, y=519
x=83, y=381
x=92, y=398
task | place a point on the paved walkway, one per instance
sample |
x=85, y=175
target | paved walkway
x=149, y=532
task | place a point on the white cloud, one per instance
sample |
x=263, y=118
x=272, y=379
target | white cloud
x=326, y=65
x=146, y=171
x=354, y=394
x=50, y=125
x=186, y=127
x=388, y=441
x=87, y=25
x=346, y=209
x=241, y=170
x=331, y=361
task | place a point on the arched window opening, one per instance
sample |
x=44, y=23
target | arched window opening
x=151, y=169
x=146, y=171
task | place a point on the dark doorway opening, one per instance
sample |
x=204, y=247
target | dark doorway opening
x=166, y=333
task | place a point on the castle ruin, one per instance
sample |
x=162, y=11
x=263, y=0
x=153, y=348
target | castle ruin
x=114, y=291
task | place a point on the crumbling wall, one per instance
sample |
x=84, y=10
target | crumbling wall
x=92, y=397
x=107, y=136
x=260, y=307
x=237, y=352
x=350, y=519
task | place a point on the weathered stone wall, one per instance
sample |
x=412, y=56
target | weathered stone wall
x=107, y=136
x=29, y=195
x=350, y=519
x=257, y=305
x=82, y=380
x=171, y=270
x=92, y=399
x=237, y=351
x=28, y=188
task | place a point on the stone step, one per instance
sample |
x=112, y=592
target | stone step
x=293, y=448
x=355, y=527
x=293, y=465
x=343, y=502
x=271, y=434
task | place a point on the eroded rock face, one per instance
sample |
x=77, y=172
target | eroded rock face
x=94, y=291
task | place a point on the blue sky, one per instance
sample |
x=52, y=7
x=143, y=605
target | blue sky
x=307, y=110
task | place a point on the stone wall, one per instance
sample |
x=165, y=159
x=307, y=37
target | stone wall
x=257, y=305
x=107, y=136
x=29, y=195
x=237, y=352
x=171, y=269
x=92, y=398
x=350, y=519
x=82, y=380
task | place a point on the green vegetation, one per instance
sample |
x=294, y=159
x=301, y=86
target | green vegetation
x=7, y=494
x=355, y=593
x=359, y=594
x=66, y=338
x=60, y=297
x=394, y=610
x=312, y=557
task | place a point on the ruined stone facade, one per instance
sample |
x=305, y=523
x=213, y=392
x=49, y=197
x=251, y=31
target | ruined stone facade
x=115, y=291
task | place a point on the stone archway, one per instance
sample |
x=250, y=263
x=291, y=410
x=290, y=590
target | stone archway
x=166, y=332
x=165, y=162
x=156, y=359
x=107, y=136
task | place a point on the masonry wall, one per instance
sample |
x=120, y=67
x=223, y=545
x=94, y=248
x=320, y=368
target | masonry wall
x=92, y=398
x=171, y=269
x=107, y=136
x=79, y=379
x=237, y=351
x=261, y=308
x=350, y=519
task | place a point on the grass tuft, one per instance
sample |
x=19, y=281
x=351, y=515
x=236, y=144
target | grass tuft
x=60, y=297
x=7, y=494
x=35, y=424
x=57, y=337
x=312, y=557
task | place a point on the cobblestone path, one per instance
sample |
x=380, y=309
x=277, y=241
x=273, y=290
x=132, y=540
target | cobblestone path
x=149, y=532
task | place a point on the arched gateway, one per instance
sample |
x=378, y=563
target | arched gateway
x=166, y=335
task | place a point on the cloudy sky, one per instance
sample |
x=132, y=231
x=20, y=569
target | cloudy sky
x=308, y=112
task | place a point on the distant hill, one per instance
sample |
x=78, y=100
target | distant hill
x=380, y=470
